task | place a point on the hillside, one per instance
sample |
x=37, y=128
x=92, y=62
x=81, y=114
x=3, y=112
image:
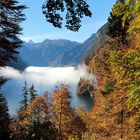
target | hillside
x=115, y=62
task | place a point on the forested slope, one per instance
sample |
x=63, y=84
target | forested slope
x=116, y=64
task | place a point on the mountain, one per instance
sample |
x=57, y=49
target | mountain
x=95, y=43
x=47, y=53
x=88, y=46
x=59, y=52
x=80, y=53
x=100, y=37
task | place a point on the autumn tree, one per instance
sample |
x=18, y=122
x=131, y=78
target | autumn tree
x=135, y=22
x=65, y=118
x=126, y=63
x=10, y=18
x=127, y=72
x=38, y=112
x=75, y=11
x=77, y=126
x=4, y=119
x=36, y=122
x=61, y=110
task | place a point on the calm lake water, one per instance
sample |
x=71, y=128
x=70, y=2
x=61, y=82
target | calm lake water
x=44, y=79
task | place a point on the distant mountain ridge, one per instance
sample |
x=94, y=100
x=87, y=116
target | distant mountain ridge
x=57, y=53
x=54, y=53
x=48, y=52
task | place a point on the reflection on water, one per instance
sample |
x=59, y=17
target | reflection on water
x=86, y=100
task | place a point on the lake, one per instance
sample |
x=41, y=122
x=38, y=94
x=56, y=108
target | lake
x=44, y=79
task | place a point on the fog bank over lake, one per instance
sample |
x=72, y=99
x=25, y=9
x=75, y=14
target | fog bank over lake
x=44, y=79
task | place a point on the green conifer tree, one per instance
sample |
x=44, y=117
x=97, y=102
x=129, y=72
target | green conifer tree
x=24, y=101
x=10, y=18
x=33, y=92
x=4, y=119
x=116, y=29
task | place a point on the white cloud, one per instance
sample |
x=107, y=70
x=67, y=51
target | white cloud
x=49, y=75
x=9, y=72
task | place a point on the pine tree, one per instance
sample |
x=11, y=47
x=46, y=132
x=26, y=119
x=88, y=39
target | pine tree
x=24, y=102
x=121, y=1
x=23, y=120
x=10, y=18
x=4, y=119
x=116, y=29
x=33, y=93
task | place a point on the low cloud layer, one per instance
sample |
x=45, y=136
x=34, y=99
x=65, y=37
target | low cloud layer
x=48, y=75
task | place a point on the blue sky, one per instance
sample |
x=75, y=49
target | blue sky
x=37, y=29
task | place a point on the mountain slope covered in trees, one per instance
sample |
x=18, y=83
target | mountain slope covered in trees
x=116, y=64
